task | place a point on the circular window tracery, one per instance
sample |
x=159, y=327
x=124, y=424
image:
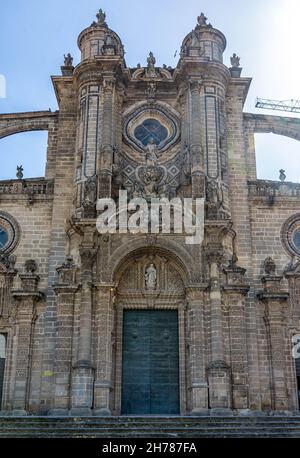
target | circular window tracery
x=290, y=235
x=9, y=233
x=151, y=121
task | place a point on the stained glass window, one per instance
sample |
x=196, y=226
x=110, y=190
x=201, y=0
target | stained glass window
x=296, y=239
x=3, y=237
x=150, y=128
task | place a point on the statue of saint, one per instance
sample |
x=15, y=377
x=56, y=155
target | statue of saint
x=151, y=153
x=202, y=20
x=151, y=61
x=101, y=16
x=150, y=277
x=68, y=60
x=90, y=192
x=235, y=61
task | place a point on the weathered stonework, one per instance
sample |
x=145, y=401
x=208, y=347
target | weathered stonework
x=64, y=287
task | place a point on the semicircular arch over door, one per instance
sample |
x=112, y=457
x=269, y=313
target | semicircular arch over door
x=149, y=357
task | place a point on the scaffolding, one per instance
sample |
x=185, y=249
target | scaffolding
x=292, y=106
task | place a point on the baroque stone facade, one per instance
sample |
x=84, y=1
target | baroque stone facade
x=65, y=288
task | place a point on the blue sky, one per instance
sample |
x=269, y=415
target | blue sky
x=34, y=35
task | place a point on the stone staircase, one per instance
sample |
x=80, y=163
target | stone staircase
x=150, y=427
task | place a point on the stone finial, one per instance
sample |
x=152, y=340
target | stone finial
x=269, y=266
x=101, y=16
x=202, y=20
x=20, y=171
x=30, y=266
x=68, y=60
x=282, y=175
x=235, y=60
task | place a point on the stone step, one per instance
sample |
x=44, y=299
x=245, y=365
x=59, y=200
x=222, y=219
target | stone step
x=149, y=419
x=148, y=427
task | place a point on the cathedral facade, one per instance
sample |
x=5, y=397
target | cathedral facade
x=141, y=323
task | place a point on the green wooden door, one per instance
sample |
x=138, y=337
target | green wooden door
x=2, y=363
x=150, y=374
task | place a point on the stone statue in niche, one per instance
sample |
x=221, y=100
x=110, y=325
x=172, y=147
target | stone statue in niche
x=151, y=154
x=90, y=193
x=215, y=202
x=89, y=197
x=151, y=277
x=213, y=193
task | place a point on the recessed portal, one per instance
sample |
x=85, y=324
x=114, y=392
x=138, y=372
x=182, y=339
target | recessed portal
x=150, y=369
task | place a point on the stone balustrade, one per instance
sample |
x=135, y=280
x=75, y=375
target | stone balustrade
x=268, y=188
x=31, y=186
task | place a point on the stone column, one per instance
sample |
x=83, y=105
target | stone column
x=196, y=150
x=198, y=383
x=235, y=290
x=83, y=374
x=240, y=211
x=219, y=374
x=65, y=290
x=105, y=327
x=25, y=302
x=275, y=303
x=107, y=140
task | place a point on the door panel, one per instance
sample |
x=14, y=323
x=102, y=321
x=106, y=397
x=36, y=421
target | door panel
x=150, y=376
